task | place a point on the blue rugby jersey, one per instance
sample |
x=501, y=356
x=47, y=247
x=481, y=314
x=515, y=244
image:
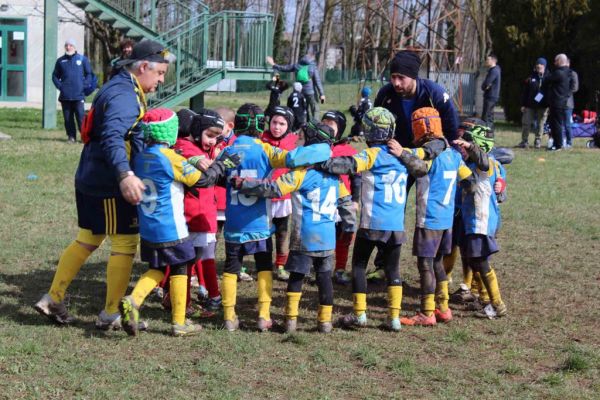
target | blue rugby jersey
x=248, y=218
x=383, y=189
x=164, y=173
x=314, y=205
x=436, y=191
x=480, y=211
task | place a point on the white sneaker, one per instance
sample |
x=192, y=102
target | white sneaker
x=488, y=311
x=108, y=322
x=57, y=312
x=245, y=277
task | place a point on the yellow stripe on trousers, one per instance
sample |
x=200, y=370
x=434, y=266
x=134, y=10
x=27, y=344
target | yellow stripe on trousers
x=114, y=214
x=110, y=216
x=106, y=216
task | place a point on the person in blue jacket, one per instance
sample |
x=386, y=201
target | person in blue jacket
x=406, y=93
x=106, y=188
x=72, y=73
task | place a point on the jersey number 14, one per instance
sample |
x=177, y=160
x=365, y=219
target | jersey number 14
x=326, y=208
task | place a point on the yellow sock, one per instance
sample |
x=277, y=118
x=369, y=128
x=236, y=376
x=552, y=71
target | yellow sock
x=428, y=304
x=178, y=293
x=118, y=273
x=265, y=287
x=467, y=275
x=324, y=314
x=145, y=284
x=360, y=303
x=491, y=283
x=394, y=301
x=450, y=260
x=228, y=295
x=69, y=265
x=441, y=295
x=293, y=303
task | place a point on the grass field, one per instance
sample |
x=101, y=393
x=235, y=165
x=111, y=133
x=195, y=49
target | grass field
x=548, y=346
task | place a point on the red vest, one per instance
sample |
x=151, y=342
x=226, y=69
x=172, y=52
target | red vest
x=341, y=150
x=199, y=204
x=287, y=142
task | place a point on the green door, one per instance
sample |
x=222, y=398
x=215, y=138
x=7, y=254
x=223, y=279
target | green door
x=13, y=58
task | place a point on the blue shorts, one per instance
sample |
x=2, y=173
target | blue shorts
x=106, y=216
x=478, y=246
x=301, y=263
x=432, y=243
x=160, y=257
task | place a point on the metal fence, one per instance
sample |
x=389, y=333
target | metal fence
x=344, y=86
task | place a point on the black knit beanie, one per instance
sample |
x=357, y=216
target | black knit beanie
x=407, y=63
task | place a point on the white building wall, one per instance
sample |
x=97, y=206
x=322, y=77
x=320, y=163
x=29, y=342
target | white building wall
x=33, y=11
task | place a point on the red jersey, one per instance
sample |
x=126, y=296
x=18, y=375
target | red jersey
x=199, y=204
x=287, y=142
x=341, y=150
x=220, y=191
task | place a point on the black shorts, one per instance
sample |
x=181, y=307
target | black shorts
x=261, y=249
x=106, y=216
x=301, y=263
x=458, y=230
x=431, y=243
x=477, y=246
x=387, y=238
x=160, y=257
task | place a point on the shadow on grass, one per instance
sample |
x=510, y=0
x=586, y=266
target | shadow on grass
x=86, y=294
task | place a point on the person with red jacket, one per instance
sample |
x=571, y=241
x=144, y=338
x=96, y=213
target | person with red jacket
x=280, y=135
x=344, y=234
x=200, y=204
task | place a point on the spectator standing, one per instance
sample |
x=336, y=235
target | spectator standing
x=559, y=90
x=491, y=89
x=307, y=74
x=126, y=49
x=72, y=73
x=534, y=104
x=574, y=87
x=297, y=102
x=275, y=87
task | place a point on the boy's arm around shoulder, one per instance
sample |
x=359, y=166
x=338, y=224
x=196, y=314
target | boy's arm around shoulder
x=411, y=158
x=286, y=183
x=479, y=157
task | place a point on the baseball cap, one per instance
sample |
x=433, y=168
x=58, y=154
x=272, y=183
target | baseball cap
x=148, y=50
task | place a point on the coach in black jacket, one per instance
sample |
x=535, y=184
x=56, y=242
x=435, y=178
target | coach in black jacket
x=491, y=89
x=534, y=104
x=558, y=91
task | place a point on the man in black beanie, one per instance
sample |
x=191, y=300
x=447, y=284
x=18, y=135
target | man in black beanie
x=407, y=92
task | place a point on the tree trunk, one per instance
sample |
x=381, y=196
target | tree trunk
x=325, y=32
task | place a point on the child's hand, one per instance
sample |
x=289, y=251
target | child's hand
x=395, y=148
x=230, y=160
x=462, y=143
x=236, y=182
x=200, y=162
